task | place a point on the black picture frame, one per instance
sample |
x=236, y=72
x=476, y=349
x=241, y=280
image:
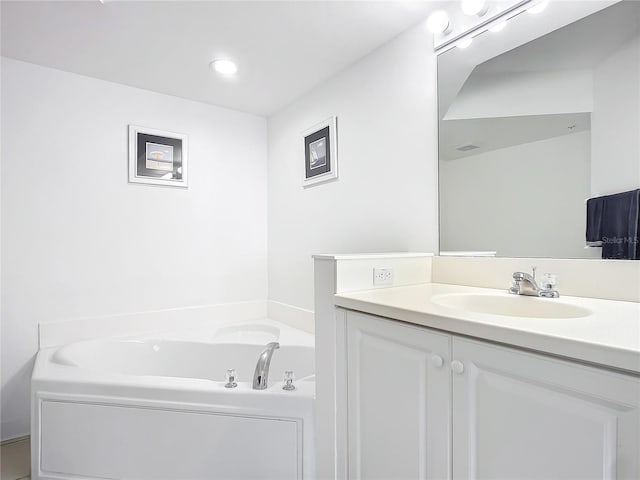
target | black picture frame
x=314, y=164
x=320, y=153
x=157, y=157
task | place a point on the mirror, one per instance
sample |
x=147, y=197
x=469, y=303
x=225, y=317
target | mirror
x=533, y=121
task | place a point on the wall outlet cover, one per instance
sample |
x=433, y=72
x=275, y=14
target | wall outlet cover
x=383, y=276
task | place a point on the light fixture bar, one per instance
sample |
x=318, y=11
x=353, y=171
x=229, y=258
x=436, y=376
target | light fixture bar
x=505, y=15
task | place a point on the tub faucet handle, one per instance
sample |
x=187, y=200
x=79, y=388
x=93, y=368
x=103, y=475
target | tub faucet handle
x=232, y=379
x=289, y=377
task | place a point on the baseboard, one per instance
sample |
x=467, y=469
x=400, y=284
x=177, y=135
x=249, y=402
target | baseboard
x=293, y=316
x=9, y=441
x=142, y=323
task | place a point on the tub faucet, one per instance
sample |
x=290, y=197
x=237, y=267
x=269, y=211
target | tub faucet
x=525, y=284
x=261, y=373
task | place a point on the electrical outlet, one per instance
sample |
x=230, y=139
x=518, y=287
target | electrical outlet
x=383, y=276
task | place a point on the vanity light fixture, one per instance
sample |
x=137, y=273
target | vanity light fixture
x=438, y=22
x=475, y=7
x=538, y=7
x=224, y=67
x=440, y=25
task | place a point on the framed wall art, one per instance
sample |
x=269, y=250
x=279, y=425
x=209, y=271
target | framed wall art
x=157, y=157
x=320, y=153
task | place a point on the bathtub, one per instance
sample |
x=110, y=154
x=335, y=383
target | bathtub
x=156, y=407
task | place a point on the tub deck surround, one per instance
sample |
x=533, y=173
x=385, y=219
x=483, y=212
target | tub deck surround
x=158, y=403
x=205, y=317
x=609, y=335
x=94, y=364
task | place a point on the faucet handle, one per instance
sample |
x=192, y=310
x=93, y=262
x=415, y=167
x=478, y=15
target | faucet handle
x=550, y=280
x=533, y=272
x=288, y=379
x=515, y=287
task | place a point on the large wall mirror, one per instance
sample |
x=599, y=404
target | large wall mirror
x=533, y=121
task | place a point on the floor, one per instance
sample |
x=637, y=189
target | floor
x=14, y=460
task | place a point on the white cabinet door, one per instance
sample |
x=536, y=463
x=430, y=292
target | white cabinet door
x=399, y=402
x=518, y=415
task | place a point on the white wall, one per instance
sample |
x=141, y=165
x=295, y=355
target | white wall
x=540, y=215
x=79, y=241
x=615, y=122
x=386, y=196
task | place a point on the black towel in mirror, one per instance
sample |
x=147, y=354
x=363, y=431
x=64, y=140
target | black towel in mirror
x=614, y=220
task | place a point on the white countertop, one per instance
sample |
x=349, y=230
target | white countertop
x=370, y=256
x=609, y=336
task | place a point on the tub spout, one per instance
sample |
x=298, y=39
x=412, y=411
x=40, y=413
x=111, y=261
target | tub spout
x=261, y=373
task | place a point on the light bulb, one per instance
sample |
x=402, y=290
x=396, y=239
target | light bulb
x=474, y=7
x=538, y=7
x=438, y=22
x=224, y=67
x=465, y=42
x=498, y=27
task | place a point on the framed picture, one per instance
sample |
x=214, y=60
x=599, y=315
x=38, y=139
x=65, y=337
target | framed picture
x=320, y=153
x=157, y=157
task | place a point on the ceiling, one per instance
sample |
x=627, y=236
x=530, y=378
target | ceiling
x=283, y=48
x=489, y=134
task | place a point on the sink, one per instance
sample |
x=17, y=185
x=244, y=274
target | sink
x=510, y=305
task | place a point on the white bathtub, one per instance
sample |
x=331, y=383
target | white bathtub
x=156, y=407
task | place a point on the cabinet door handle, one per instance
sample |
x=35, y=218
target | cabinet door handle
x=457, y=366
x=437, y=361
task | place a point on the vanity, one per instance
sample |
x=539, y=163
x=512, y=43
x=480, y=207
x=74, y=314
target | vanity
x=435, y=391
x=441, y=381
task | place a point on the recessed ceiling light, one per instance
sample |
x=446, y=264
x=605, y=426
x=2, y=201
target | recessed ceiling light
x=465, y=42
x=538, y=7
x=498, y=27
x=224, y=67
x=474, y=7
x=438, y=22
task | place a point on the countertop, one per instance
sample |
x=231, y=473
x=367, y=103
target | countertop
x=609, y=335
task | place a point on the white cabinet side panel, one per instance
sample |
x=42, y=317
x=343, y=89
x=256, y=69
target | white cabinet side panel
x=106, y=441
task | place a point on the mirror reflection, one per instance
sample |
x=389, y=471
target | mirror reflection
x=528, y=133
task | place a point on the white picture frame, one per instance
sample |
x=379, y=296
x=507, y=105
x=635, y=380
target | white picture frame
x=320, y=159
x=158, y=157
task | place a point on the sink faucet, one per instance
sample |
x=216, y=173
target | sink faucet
x=262, y=367
x=525, y=284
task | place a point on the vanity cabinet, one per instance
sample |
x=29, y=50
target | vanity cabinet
x=399, y=404
x=420, y=401
x=523, y=415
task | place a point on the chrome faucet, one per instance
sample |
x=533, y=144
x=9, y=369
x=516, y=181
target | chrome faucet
x=261, y=373
x=525, y=284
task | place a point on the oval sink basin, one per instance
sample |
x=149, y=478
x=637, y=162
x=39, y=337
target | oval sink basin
x=510, y=305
